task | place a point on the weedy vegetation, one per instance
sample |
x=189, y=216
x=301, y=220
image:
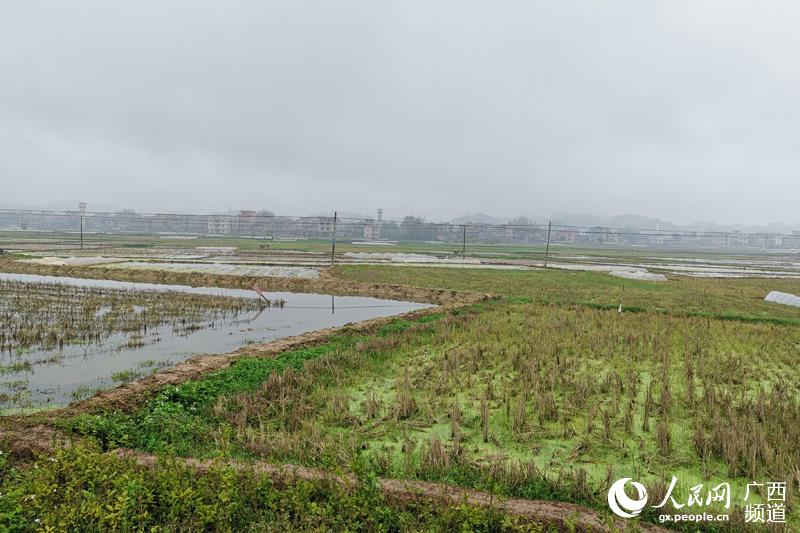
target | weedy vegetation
x=82, y=489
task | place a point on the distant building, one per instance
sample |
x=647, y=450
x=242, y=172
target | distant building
x=247, y=218
x=567, y=236
x=737, y=238
x=372, y=231
x=774, y=241
x=764, y=240
x=317, y=226
x=792, y=241
x=372, y=228
x=247, y=222
x=221, y=224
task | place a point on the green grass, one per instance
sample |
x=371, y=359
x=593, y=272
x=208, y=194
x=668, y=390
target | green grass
x=731, y=299
x=16, y=366
x=85, y=391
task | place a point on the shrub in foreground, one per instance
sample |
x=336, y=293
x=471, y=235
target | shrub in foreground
x=83, y=489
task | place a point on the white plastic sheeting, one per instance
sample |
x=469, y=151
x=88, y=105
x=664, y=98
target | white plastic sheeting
x=783, y=298
x=639, y=275
x=408, y=258
x=71, y=261
x=228, y=269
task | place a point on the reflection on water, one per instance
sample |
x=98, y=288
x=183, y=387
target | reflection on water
x=52, y=376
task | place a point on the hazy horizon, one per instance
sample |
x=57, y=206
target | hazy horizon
x=681, y=111
x=622, y=220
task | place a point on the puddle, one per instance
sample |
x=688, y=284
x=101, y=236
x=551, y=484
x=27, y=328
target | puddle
x=50, y=377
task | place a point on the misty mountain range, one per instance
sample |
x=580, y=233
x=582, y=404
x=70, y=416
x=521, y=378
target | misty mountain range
x=627, y=221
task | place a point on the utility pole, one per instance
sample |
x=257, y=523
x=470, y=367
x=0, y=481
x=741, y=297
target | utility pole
x=82, y=212
x=547, y=248
x=333, y=238
x=464, y=241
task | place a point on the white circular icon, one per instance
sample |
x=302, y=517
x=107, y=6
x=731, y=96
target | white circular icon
x=621, y=504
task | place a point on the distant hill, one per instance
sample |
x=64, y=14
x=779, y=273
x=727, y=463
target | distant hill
x=344, y=215
x=618, y=221
x=480, y=218
x=62, y=205
x=629, y=221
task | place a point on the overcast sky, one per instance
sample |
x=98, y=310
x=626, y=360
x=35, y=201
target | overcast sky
x=684, y=110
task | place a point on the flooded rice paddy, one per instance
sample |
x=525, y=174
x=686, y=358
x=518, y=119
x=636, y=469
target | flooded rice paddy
x=61, y=339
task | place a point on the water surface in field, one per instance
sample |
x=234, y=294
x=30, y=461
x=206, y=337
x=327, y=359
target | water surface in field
x=55, y=376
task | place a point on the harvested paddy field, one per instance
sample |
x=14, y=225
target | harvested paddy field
x=548, y=393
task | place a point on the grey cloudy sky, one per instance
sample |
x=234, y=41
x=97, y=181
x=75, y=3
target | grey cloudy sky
x=683, y=110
